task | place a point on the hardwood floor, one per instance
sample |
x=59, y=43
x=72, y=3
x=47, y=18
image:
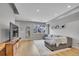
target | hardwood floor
x=28, y=48
x=66, y=52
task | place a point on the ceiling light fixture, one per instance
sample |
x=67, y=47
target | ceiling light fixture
x=68, y=6
x=37, y=10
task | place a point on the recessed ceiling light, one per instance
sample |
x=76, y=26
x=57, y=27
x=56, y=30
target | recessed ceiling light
x=68, y=6
x=37, y=10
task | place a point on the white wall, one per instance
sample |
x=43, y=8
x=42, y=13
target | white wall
x=6, y=16
x=22, y=29
x=71, y=29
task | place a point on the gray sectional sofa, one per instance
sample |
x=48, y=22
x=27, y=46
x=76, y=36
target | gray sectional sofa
x=61, y=46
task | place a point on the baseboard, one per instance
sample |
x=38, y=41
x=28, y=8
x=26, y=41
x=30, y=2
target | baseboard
x=75, y=47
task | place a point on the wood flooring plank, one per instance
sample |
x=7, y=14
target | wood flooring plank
x=70, y=52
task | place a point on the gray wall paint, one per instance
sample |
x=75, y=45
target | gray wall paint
x=22, y=32
x=71, y=29
x=6, y=16
x=64, y=20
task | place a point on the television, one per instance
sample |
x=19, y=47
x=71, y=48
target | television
x=13, y=33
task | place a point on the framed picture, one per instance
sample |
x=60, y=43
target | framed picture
x=39, y=29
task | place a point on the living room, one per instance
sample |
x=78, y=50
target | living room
x=39, y=29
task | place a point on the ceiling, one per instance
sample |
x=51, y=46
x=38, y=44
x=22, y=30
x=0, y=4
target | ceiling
x=42, y=12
